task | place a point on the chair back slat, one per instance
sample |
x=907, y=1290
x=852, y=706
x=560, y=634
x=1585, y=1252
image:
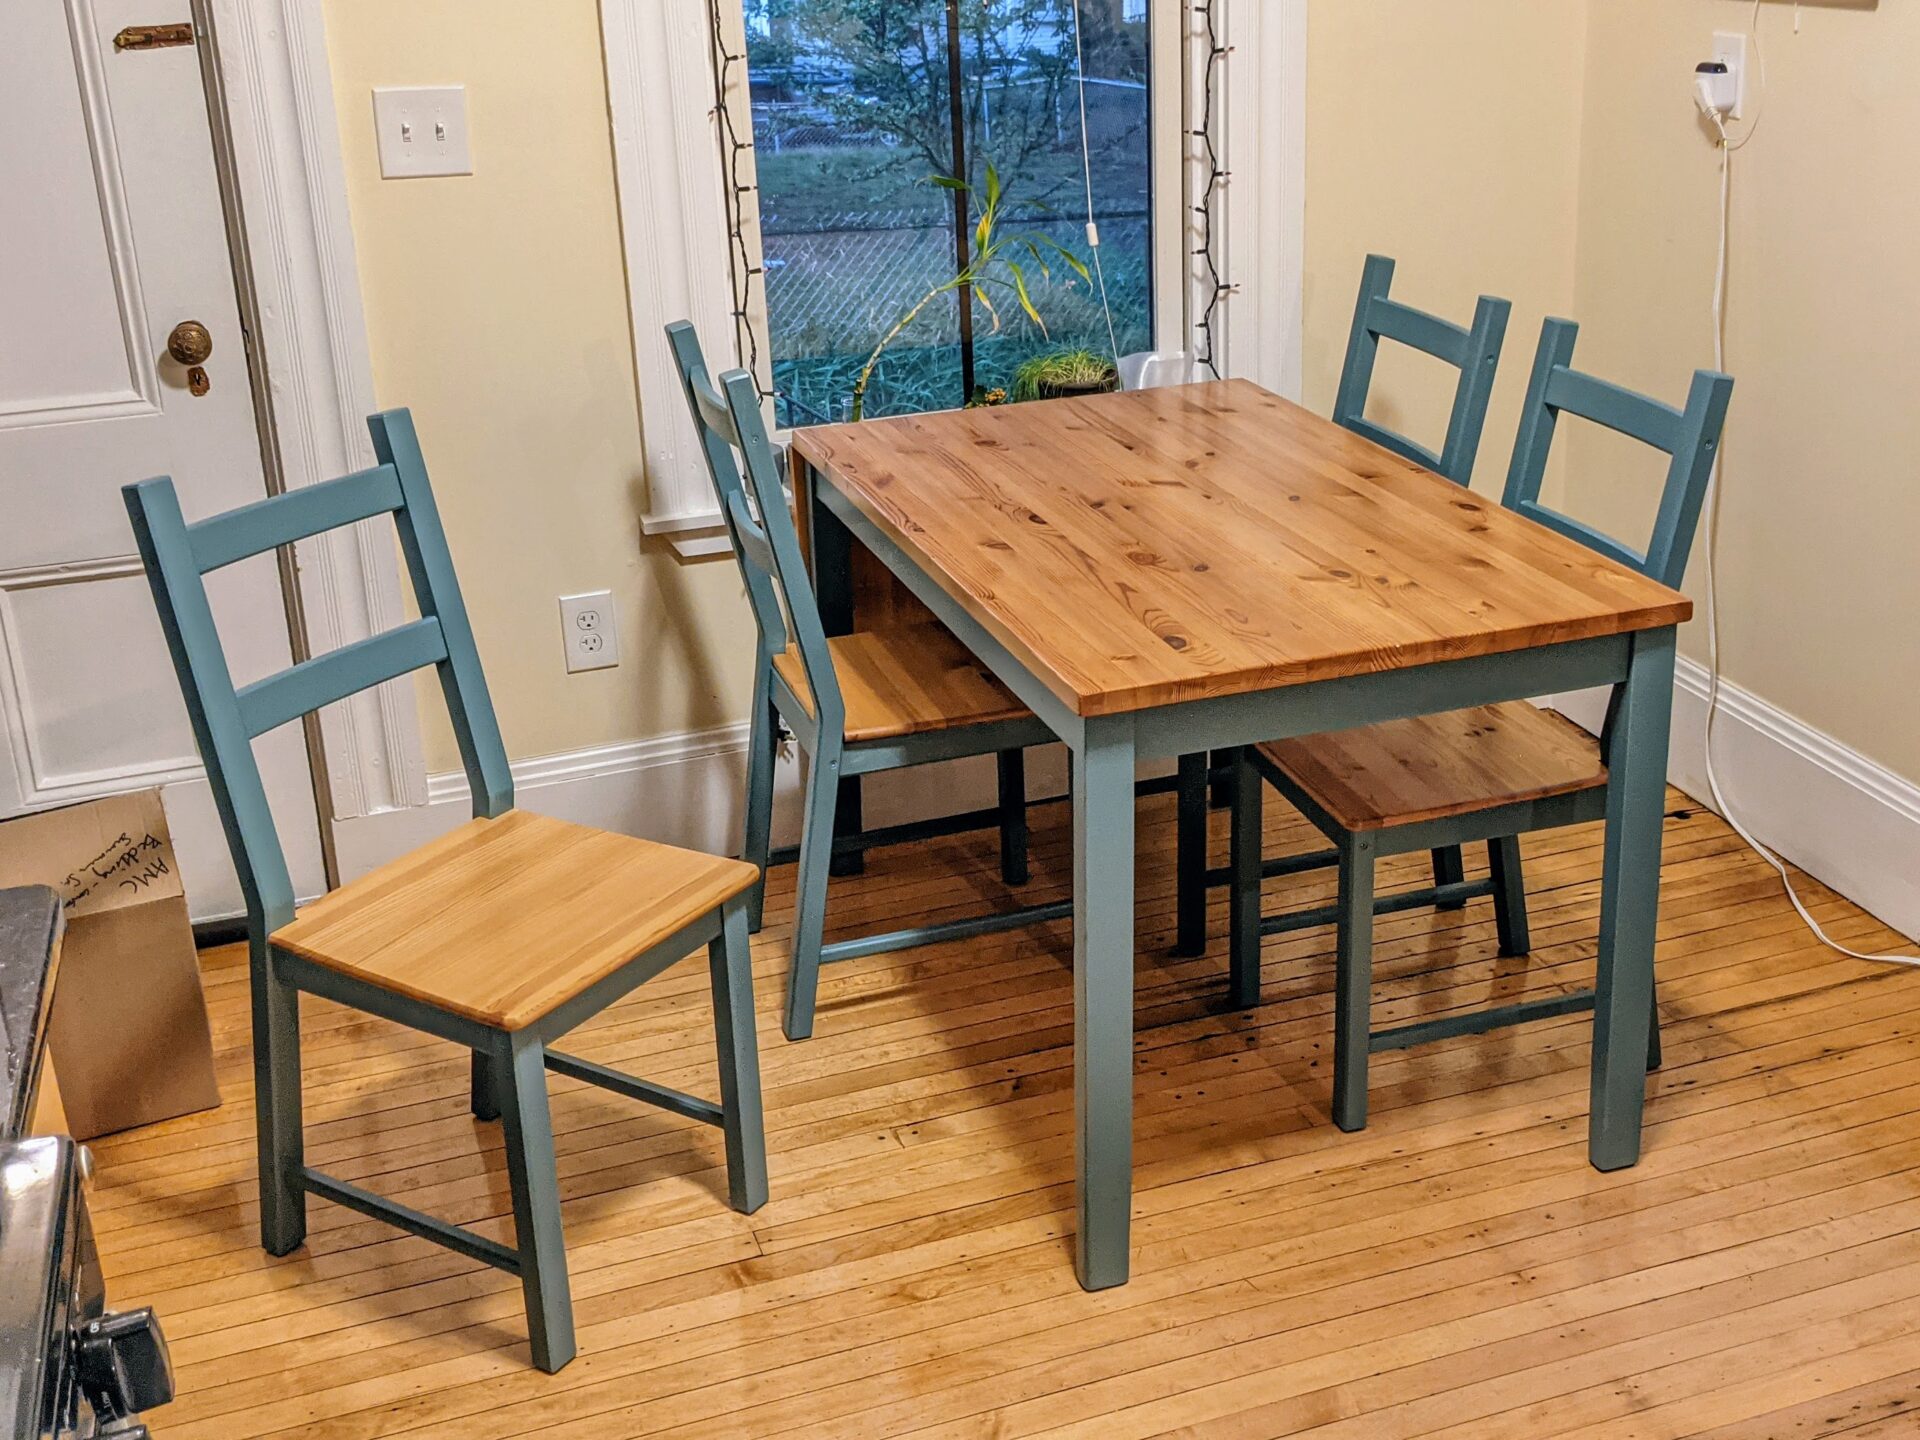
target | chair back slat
x=791, y=575
x=1474, y=351
x=225, y=720
x=718, y=439
x=271, y=703
x=1690, y=438
x=283, y=519
x=206, y=685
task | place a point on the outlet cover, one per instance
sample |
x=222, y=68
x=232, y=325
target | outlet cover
x=588, y=632
x=1730, y=49
x=422, y=131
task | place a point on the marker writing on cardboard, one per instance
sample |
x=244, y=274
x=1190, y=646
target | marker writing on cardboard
x=132, y=864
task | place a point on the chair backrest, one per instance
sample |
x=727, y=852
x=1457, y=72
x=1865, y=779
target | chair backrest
x=1474, y=352
x=1690, y=438
x=753, y=503
x=226, y=720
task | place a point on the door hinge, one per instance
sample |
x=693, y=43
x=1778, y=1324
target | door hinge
x=153, y=37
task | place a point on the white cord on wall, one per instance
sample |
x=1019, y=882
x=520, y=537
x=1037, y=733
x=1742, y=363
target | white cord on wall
x=1086, y=172
x=1728, y=146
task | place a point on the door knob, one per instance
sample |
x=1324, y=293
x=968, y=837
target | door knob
x=191, y=343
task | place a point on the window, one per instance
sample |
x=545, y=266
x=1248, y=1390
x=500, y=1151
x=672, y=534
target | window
x=855, y=108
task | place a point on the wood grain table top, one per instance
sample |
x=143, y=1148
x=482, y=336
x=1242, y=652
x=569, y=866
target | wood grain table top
x=1142, y=549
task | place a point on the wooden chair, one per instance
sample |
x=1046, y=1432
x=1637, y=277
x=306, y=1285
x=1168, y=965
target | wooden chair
x=1488, y=774
x=500, y=936
x=1475, y=352
x=856, y=703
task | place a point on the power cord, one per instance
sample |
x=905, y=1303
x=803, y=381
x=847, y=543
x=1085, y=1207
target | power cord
x=1729, y=145
x=1086, y=172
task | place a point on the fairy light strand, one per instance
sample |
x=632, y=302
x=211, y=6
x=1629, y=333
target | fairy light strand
x=735, y=155
x=1214, y=283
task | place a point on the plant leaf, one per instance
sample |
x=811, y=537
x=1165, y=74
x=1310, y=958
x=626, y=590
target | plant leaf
x=1020, y=288
x=993, y=184
x=947, y=182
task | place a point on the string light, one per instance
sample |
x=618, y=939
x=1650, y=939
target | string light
x=1215, y=284
x=735, y=155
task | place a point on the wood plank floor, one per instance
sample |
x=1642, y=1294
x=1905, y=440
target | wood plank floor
x=1457, y=1270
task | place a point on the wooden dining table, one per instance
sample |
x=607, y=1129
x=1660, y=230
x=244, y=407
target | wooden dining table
x=1167, y=572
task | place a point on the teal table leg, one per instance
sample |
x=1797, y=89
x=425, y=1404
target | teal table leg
x=1243, y=915
x=1190, y=860
x=528, y=1130
x=1629, y=904
x=276, y=1079
x=1103, y=767
x=1353, y=984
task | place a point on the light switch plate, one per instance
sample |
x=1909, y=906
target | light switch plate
x=422, y=131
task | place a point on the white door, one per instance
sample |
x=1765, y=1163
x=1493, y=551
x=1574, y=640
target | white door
x=112, y=236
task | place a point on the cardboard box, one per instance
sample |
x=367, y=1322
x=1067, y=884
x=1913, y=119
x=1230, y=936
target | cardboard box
x=129, y=1031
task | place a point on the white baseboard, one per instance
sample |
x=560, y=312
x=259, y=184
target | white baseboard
x=1852, y=824
x=684, y=789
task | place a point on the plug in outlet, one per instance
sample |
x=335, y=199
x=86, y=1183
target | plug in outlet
x=588, y=632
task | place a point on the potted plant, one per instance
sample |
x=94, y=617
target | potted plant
x=993, y=265
x=1060, y=373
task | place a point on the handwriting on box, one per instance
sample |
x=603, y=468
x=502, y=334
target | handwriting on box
x=127, y=864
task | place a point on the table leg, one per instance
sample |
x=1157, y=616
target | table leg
x=830, y=552
x=1103, y=947
x=1629, y=903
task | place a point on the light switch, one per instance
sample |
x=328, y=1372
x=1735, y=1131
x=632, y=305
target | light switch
x=422, y=131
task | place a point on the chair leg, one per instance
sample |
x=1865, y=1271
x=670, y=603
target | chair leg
x=484, y=1087
x=728, y=961
x=810, y=903
x=1220, y=790
x=1243, y=924
x=1449, y=868
x=521, y=1061
x=1013, y=816
x=1509, y=895
x=1190, y=863
x=276, y=1080
x=762, y=744
x=1654, y=1058
x=1353, y=992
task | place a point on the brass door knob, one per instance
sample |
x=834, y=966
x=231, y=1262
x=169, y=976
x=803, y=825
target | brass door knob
x=191, y=343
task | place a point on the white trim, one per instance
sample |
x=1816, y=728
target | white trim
x=1263, y=206
x=673, y=224
x=1850, y=823
x=277, y=87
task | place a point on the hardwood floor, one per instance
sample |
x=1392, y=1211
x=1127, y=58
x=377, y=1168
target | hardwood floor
x=1457, y=1270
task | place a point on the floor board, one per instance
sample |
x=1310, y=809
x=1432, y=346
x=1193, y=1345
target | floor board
x=1455, y=1271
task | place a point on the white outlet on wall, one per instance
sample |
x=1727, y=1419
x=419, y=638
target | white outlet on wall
x=588, y=633
x=1730, y=49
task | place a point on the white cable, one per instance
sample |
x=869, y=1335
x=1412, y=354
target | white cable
x=1727, y=147
x=1086, y=171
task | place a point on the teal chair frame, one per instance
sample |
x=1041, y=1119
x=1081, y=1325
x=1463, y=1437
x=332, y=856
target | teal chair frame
x=780, y=591
x=1474, y=350
x=508, y=1067
x=1690, y=438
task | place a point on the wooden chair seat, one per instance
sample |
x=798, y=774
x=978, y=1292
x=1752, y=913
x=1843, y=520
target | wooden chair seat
x=908, y=681
x=502, y=920
x=1434, y=766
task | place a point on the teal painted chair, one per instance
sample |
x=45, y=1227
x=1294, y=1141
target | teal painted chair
x=501, y=936
x=1488, y=774
x=1475, y=352
x=857, y=704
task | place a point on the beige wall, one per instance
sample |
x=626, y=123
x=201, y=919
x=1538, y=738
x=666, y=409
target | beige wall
x=1820, y=588
x=497, y=309
x=1443, y=135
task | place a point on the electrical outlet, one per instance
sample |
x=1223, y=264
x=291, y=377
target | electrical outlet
x=588, y=633
x=1730, y=49
x=422, y=131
